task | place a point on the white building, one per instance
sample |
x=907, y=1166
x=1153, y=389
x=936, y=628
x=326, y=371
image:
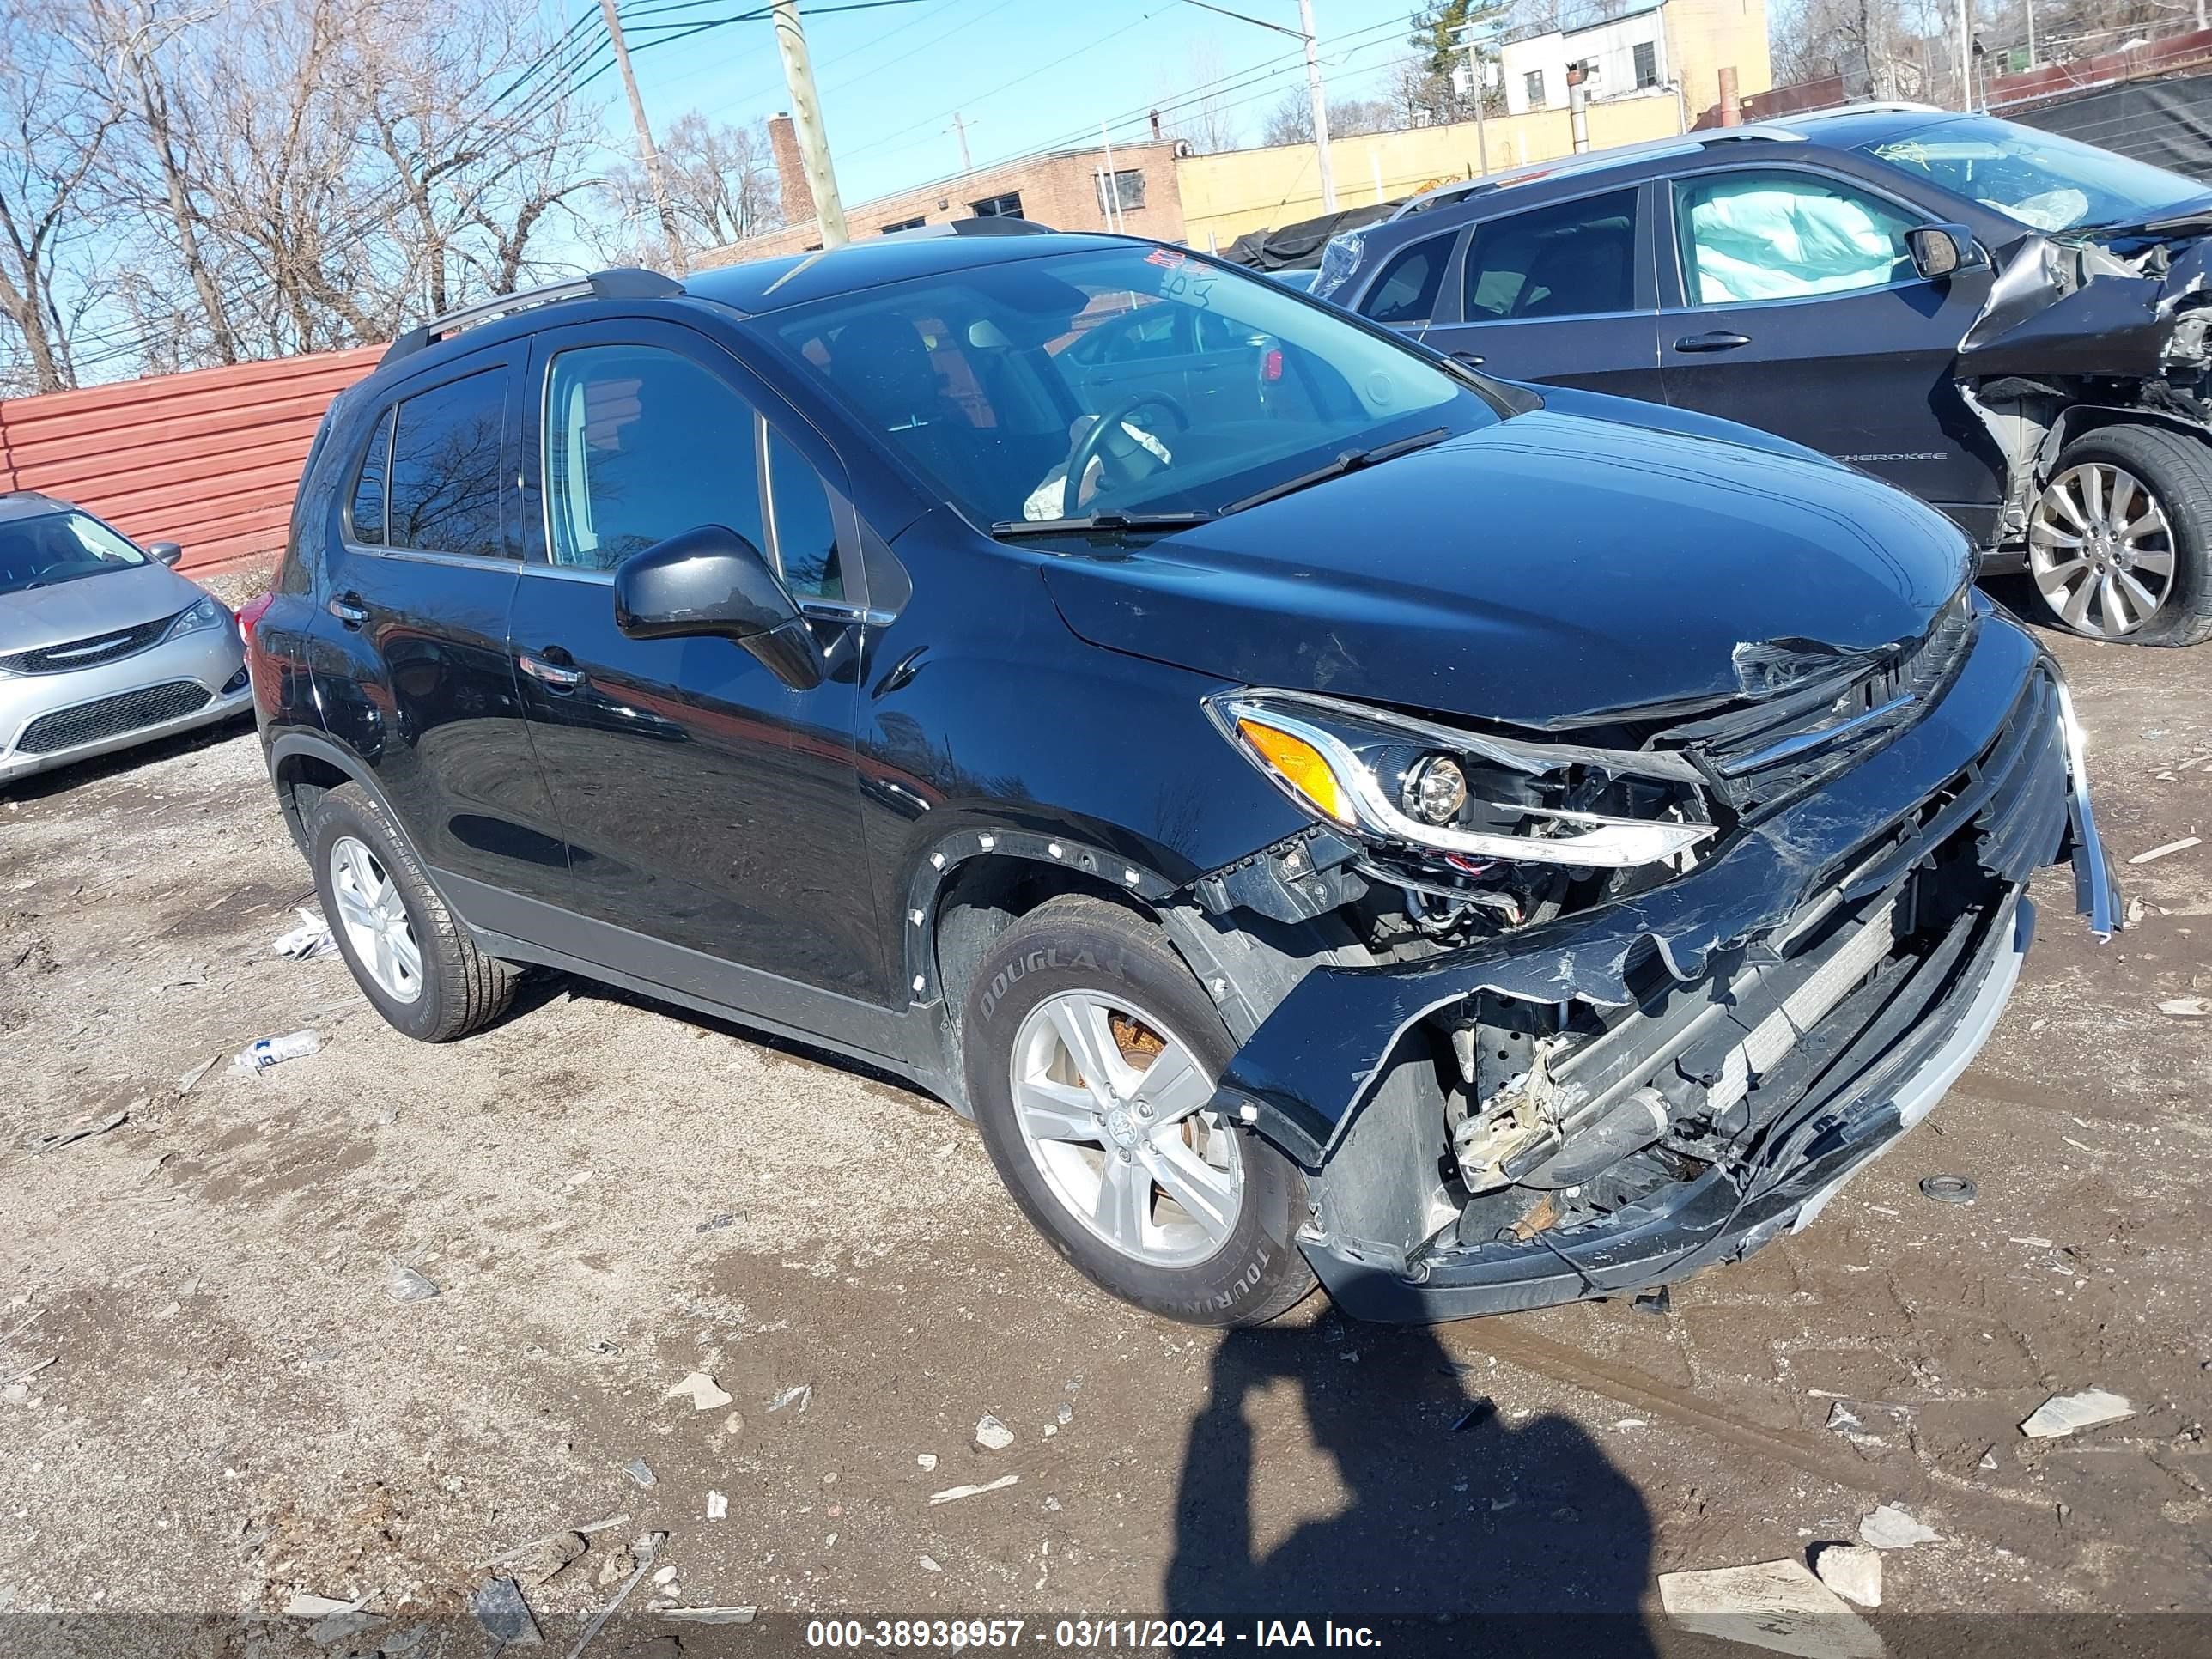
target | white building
x=1628, y=53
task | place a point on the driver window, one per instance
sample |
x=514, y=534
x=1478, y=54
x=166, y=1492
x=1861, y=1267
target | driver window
x=1784, y=236
x=641, y=444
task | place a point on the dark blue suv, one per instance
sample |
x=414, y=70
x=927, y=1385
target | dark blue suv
x=1380, y=823
x=2009, y=324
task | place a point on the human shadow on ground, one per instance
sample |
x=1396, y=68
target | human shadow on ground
x=1487, y=1537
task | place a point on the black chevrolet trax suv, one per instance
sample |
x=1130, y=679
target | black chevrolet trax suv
x=1324, y=813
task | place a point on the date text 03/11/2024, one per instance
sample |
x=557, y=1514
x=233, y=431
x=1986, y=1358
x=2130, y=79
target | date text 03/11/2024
x=1106, y=1634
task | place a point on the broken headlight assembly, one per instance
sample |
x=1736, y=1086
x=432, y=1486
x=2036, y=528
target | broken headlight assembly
x=1434, y=800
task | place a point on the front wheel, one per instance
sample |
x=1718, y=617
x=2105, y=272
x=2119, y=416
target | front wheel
x=1091, y=1055
x=2119, y=542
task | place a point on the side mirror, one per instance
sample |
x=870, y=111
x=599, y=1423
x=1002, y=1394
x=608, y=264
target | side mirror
x=711, y=582
x=168, y=553
x=1940, y=251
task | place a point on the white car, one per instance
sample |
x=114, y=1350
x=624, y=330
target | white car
x=102, y=644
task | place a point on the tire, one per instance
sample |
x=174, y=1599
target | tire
x=2174, y=471
x=457, y=989
x=1240, y=1268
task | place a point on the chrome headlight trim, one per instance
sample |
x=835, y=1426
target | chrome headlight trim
x=1603, y=842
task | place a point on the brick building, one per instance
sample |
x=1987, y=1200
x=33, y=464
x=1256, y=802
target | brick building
x=1065, y=189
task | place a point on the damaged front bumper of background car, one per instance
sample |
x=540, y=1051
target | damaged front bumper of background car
x=1578, y=1097
x=2084, y=327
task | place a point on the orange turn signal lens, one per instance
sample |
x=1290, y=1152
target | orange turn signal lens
x=1301, y=765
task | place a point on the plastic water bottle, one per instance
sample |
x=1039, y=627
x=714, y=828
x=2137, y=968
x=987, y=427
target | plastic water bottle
x=276, y=1051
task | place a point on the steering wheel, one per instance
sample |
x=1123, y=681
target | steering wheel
x=1093, y=441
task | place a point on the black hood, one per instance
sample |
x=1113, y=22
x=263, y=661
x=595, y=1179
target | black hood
x=1594, y=557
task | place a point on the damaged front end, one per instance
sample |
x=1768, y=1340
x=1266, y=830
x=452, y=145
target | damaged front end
x=1613, y=1009
x=2084, y=327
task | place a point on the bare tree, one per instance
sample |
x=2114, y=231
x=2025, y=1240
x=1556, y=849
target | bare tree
x=1290, y=121
x=53, y=125
x=1193, y=108
x=721, y=187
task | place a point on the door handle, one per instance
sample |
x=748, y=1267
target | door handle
x=347, y=609
x=560, y=676
x=1719, y=339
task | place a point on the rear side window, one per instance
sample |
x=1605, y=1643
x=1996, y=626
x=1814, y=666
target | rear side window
x=1405, y=292
x=365, y=515
x=445, y=468
x=643, y=444
x=1575, y=259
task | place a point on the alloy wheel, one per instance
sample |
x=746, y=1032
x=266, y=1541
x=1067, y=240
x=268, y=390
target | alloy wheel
x=2101, y=549
x=1112, y=1109
x=374, y=918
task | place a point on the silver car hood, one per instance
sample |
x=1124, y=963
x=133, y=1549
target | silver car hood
x=91, y=605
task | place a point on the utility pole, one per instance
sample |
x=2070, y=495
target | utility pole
x=806, y=122
x=1966, y=56
x=2028, y=6
x=1109, y=194
x=1320, y=98
x=960, y=129
x=1474, y=80
x=647, y=152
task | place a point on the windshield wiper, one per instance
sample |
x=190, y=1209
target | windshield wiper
x=1011, y=527
x=1352, y=460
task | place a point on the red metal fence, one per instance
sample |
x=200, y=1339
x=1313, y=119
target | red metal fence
x=209, y=459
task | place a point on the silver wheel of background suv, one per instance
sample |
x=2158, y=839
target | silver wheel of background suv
x=375, y=916
x=1111, y=1108
x=2101, y=549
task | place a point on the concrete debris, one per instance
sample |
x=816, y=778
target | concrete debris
x=2181, y=846
x=505, y=1616
x=927, y=1564
x=1852, y=1571
x=1890, y=1528
x=403, y=1284
x=992, y=1435
x=310, y=939
x=703, y=1392
x=718, y=1506
x=2186, y=1007
x=954, y=1494
x=666, y=1576
x=1775, y=1605
x=927, y=1459
x=15, y=1393
x=2070, y=1413
x=547, y=1558
x=711, y=1615
x=801, y=1396
x=304, y=1605
x=642, y=1552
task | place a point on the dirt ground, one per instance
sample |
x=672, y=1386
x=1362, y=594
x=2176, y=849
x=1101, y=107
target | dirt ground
x=215, y=1405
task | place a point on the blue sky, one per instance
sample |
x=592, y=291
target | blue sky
x=1024, y=74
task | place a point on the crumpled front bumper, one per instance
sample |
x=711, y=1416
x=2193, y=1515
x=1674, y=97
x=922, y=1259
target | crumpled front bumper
x=1997, y=760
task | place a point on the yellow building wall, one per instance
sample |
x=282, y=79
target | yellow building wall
x=1706, y=36
x=1224, y=196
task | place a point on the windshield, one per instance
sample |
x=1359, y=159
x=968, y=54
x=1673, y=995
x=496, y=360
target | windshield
x=59, y=547
x=1167, y=385
x=2038, y=178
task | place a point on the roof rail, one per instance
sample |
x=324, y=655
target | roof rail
x=621, y=282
